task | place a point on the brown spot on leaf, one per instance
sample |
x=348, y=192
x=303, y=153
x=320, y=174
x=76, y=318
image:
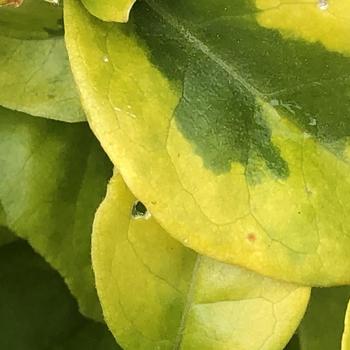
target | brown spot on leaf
x=251, y=237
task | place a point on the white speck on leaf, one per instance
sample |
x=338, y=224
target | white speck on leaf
x=313, y=121
x=323, y=5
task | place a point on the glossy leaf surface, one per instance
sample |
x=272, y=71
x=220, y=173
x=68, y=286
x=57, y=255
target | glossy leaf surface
x=252, y=98
x=157, y=294
x=53, y=177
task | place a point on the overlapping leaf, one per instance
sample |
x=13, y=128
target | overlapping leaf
x=53, y=176
x=37, y=311
x=157, y=294
x=110, y=10
x=250, y=97
x=6, y=236
x=293, y=343
x=33, y=19
x=345, y=345
x=323, y=324
x=35, y=78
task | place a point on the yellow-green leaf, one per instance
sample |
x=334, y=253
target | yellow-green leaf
x=232, y=128
x=110, y=10
x=33, y=19
x=345, y=343
x=157, y=294
x=35, y=78
x=53, y=177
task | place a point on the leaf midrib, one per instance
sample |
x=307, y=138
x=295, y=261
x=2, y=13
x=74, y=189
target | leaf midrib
x=201, y=46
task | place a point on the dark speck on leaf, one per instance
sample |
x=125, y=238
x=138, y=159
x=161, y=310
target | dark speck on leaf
x=251, y=237
x=138, y=210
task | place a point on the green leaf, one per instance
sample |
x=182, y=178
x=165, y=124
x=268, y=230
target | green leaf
x=345, y=343
x=293, y=344
x=6, y=236
x=157, y=294
x=230, y=123
x=323, y=323
x=35, y=78
x=53, y=177
x=37, y=311
x=34, y=19
x=110, y=10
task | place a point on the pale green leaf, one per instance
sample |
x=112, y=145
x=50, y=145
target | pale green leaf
x=157, y=294
x=323, y=324
x=53, y=176
x=230, y=121
x=110, y=10
x=33, y=19
x=35, y=78
x=37, y=311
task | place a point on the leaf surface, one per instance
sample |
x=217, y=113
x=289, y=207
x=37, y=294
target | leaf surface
x=35, y=78
x=110, y=10
x=33, y=19
x=6, y=236
x=345, y=344
x=250, y=97
x=37, y=311
x=53, y=177
x=158, y=294
x=323, y=323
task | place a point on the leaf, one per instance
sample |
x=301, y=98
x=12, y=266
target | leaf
x=157, y=294
x=37, y=311
x=35, y=78
x=6, y=236
x=293, y=344
x=110, y=10
x=34, y=19
x=53, y=177
x=234, y=135
x=322, y=326
x=345, y=344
